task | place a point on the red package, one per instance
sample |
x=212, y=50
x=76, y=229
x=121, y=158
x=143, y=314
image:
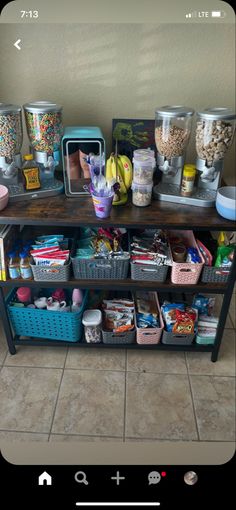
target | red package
x=184, y=322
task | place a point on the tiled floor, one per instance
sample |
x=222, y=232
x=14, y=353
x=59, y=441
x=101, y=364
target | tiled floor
x=60, y=394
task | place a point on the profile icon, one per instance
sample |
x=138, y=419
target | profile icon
x=190, y=478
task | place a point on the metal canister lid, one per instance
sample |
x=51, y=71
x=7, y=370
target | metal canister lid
x=42, y=107
x=217, y=114
x=174, y=111
x=7, y=108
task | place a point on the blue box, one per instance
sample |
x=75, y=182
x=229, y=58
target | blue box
x=32, y=322
x=77, y=141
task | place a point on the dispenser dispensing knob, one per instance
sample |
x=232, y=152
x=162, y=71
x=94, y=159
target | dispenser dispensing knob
x=208, y=174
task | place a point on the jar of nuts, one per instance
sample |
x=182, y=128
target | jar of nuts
x=141, y=194
x=214, y=133
x=172, y=130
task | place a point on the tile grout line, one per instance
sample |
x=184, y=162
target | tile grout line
x=63, y=367
x=119, y=437
x=191, y=393
x=124, y=423
x=57, y=398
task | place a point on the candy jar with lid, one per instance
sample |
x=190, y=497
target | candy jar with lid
x=45, y=129
x=11, y=136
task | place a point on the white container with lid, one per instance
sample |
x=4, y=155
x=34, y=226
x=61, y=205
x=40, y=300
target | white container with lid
x=141, y=194
x=92, y=321
x=144, y=163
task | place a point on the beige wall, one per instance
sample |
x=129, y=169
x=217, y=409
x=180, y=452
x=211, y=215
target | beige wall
x=98, y=72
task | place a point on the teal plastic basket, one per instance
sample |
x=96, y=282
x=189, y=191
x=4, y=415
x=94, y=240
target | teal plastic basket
x=32, y=322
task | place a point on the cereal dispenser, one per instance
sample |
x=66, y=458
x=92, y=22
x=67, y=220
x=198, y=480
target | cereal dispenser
x=10, y=142
x=45, y=130
x=172, y=133
x=214, y=135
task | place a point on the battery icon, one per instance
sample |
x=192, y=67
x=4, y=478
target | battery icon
x=217, y=14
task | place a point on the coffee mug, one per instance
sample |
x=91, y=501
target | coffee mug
x=41, y=302
x=55, y=305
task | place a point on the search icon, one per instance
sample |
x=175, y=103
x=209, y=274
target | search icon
x=80, y=477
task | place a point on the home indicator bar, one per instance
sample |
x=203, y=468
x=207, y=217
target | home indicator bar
x=119, y=504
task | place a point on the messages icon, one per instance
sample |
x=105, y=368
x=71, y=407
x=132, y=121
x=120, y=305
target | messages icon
x=154, y=477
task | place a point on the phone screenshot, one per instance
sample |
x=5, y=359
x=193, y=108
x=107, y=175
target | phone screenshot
x=117, y=253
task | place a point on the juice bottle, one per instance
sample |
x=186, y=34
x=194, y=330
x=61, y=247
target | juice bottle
x=13, y=265
x=25, y=267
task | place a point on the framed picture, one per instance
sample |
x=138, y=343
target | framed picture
x=131, y=134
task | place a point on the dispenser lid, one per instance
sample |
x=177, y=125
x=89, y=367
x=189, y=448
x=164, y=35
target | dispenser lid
x=174, y=111
x=6, y=108
x=217, y=114
x=42, y=107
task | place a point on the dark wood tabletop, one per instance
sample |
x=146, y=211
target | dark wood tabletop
x=64, y=211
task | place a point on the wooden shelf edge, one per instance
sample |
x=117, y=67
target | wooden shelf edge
x=126, y=284
x=158, y=347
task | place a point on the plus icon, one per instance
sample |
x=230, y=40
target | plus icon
x=117, y=477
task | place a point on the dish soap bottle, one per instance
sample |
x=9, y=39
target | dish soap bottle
x=30, y=173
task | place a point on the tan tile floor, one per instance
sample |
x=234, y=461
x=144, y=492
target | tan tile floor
x=60, y=394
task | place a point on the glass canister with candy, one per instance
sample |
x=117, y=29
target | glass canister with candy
x=44, y=128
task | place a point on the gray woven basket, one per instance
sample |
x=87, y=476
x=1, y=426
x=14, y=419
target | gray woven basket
x=127, y=337
x=100, y=269
x=215, y=274
x=170, y=338
x=148, y=273
x=51, y=274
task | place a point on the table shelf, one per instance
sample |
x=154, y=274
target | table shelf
x=126, y=285
x=62, y=211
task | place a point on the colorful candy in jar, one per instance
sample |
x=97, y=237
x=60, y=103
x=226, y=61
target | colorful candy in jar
x=10, y=130
x=44, y=126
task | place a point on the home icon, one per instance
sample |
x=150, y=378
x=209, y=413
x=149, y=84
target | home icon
x=45, y=479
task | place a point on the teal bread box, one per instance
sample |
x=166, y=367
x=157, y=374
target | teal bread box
x=77, y=143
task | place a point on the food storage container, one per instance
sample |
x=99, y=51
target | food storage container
x=11, y=134
x=172, y=130
x=44, y=126
x=141, y=194
x=143, y=166
x=92, y=321
x=214, y=133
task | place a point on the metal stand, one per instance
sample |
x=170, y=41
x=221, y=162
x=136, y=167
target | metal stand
x=224, y=311
x=6, y=323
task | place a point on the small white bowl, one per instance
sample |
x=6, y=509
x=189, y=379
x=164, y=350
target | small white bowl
x=226, y=202
x=4, y=197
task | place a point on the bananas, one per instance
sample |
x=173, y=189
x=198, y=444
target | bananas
x=126, y=170
x=119, y=169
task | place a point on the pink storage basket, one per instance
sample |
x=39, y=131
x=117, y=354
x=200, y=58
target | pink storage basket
x=150, y=335
x=185, y=273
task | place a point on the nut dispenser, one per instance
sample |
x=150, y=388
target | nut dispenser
x=172, y=133
x=10, y=143
x=214, y=135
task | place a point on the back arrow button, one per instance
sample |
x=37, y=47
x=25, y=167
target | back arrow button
x=16, y=44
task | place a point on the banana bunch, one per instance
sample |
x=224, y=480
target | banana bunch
x=119, y=169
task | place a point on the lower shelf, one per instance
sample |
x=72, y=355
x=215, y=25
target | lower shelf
x=139, y=347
